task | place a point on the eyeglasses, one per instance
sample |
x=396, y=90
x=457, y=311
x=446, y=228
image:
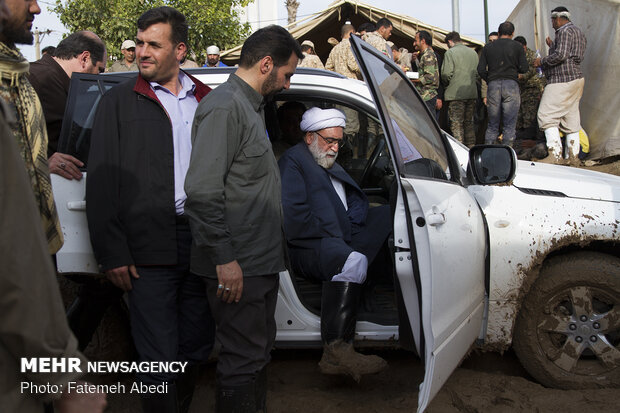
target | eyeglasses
x=333, y=141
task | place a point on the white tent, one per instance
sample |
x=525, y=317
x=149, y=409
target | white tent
x=600, y=116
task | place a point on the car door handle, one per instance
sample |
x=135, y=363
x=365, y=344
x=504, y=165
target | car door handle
x=76, y=205
x=436, y=217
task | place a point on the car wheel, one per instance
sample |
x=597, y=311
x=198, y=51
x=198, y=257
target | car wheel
x=567, y=334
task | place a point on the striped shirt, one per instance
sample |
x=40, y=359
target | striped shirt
x=565, y=55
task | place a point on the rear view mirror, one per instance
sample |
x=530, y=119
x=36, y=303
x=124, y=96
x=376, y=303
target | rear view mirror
x=492, y=164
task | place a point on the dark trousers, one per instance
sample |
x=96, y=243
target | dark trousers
x=431, y=104
x=170, y=316
x=367, y=240
x=246, y=330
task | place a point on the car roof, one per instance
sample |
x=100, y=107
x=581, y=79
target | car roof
x=304, y=78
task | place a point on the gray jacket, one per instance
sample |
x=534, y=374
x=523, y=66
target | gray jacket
x=233, y=185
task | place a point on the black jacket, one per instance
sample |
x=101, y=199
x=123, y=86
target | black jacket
x=502, y=59
x=130, y=188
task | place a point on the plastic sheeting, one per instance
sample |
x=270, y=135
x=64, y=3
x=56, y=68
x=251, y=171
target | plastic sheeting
x=599, y=20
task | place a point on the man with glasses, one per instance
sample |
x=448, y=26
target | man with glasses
x=332, y=235
x=80, y=52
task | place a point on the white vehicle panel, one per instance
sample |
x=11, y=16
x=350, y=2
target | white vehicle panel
x=524, y=229
x=76, y=254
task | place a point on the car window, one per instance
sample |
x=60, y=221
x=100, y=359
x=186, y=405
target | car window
x=418, y=144
x=84, y=95
x=365, y=156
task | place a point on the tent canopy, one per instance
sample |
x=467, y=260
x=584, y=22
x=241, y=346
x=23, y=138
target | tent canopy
x=599, y=20
x=327, y=23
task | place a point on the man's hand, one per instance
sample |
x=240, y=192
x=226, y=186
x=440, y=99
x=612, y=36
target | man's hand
x=74, y=402
x=65, y=165
x=537, y=62
x=549, y=41
x=439, y=104
x=484, y=100
x=230, y=282
x=120, y=276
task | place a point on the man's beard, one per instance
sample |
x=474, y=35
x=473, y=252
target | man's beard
x=17, y=35
x=269, y=87
x=321, y=157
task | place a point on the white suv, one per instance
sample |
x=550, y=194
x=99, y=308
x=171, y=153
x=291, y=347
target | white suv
x=486, y=249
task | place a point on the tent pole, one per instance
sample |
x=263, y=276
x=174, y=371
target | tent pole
x=455, y=16
x=486, y=21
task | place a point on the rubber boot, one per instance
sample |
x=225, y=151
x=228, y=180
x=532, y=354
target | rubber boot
x=236, y=399
x=339, y=303
x=554, y=146
x=572, y=144
x=186, y=384
x=160, y=402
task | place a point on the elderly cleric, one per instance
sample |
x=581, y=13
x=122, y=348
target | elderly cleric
x=332, y=235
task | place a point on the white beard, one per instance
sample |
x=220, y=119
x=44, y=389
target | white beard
x=321, y=157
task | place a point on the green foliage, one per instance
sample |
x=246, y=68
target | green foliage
x=210, y=21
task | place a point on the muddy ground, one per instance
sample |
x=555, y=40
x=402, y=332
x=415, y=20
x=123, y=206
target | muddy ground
x=485, y=382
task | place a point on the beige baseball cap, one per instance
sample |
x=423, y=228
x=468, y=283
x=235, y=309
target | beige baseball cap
x=307, y=43
x=128, y=44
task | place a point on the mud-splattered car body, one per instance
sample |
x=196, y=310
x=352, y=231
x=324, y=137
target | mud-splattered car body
x=547, y=210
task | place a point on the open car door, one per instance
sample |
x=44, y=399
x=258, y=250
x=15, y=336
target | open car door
x=85, y=91
x=439, y=231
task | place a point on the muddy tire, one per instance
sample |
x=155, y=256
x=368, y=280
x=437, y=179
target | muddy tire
x=567, y=334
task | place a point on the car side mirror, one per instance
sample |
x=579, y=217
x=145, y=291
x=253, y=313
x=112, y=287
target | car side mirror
x=492, y=164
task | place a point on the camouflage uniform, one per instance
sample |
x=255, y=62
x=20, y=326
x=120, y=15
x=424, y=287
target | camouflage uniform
x=461, y=120
x=311, y=60
x=341, y=60
x=531, y=87
x=405, y=58
x=428, y=71
x=378, y=42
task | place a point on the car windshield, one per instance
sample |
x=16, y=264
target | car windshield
x=418, y=143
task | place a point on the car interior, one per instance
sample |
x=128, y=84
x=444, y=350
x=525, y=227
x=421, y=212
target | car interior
x=366, y=159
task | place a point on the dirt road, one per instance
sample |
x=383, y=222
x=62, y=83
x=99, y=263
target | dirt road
x=484, y=383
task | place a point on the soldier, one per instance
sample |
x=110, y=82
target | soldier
x=458, y=73
x=341, y=59
x=428, y=69
x=378, y=38
x=310, y=58
x=531, y=86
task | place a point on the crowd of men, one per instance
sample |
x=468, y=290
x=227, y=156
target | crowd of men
x=186, y=200
x=508, y=77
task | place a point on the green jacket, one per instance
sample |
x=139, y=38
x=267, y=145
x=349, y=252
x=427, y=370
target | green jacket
x=459, y=73
x=233, y=185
